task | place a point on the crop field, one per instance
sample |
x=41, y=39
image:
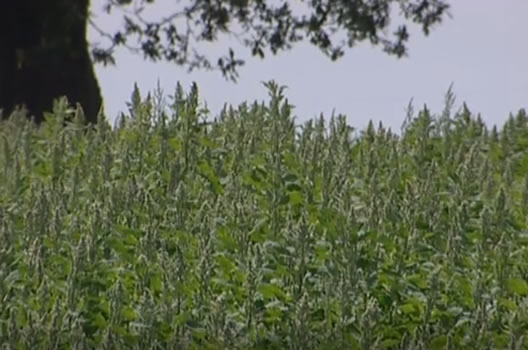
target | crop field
x=254, y=232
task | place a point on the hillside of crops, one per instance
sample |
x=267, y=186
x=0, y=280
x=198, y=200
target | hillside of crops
x=254, y=231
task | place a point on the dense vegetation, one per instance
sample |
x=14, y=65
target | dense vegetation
x=252, y=232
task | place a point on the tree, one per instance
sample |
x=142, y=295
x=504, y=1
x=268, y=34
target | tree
x=45, y=53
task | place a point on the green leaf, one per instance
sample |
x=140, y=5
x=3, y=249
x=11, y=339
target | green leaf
x=175, y=144
x=438, y=343
x=412, y=305
x=407, y=308
x=165, y=330
x=226, y=240
x=42, y=169
x=117, y=245
x=199, y=334
x=128, y=313
x=225, y=263
x=517, y=286
x=273, y=311
x=130, y=240
x=21, y=318
x=270, y=291
x=501, y=340
x=128, y=231
x=508, y=304
x=208, y=172
x=295, y=198
x=389, y=343
x=207, y=142
x=99, y=321
x=418, y=280
x=156, y=282
x=322, y=249
x=124, y=251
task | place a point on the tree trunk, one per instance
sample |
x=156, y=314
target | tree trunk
x=44, y=55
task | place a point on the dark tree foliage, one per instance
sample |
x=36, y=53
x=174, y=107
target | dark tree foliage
x=44, y=54
x=260, y=25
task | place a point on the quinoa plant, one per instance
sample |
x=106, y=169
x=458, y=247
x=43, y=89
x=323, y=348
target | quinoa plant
x=250, y=231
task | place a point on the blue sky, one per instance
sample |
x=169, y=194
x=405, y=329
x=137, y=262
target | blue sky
x=482, y=50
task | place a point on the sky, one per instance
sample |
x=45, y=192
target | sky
x=482, y=50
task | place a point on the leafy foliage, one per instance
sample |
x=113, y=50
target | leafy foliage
x=261, y=25
x=253, y=232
